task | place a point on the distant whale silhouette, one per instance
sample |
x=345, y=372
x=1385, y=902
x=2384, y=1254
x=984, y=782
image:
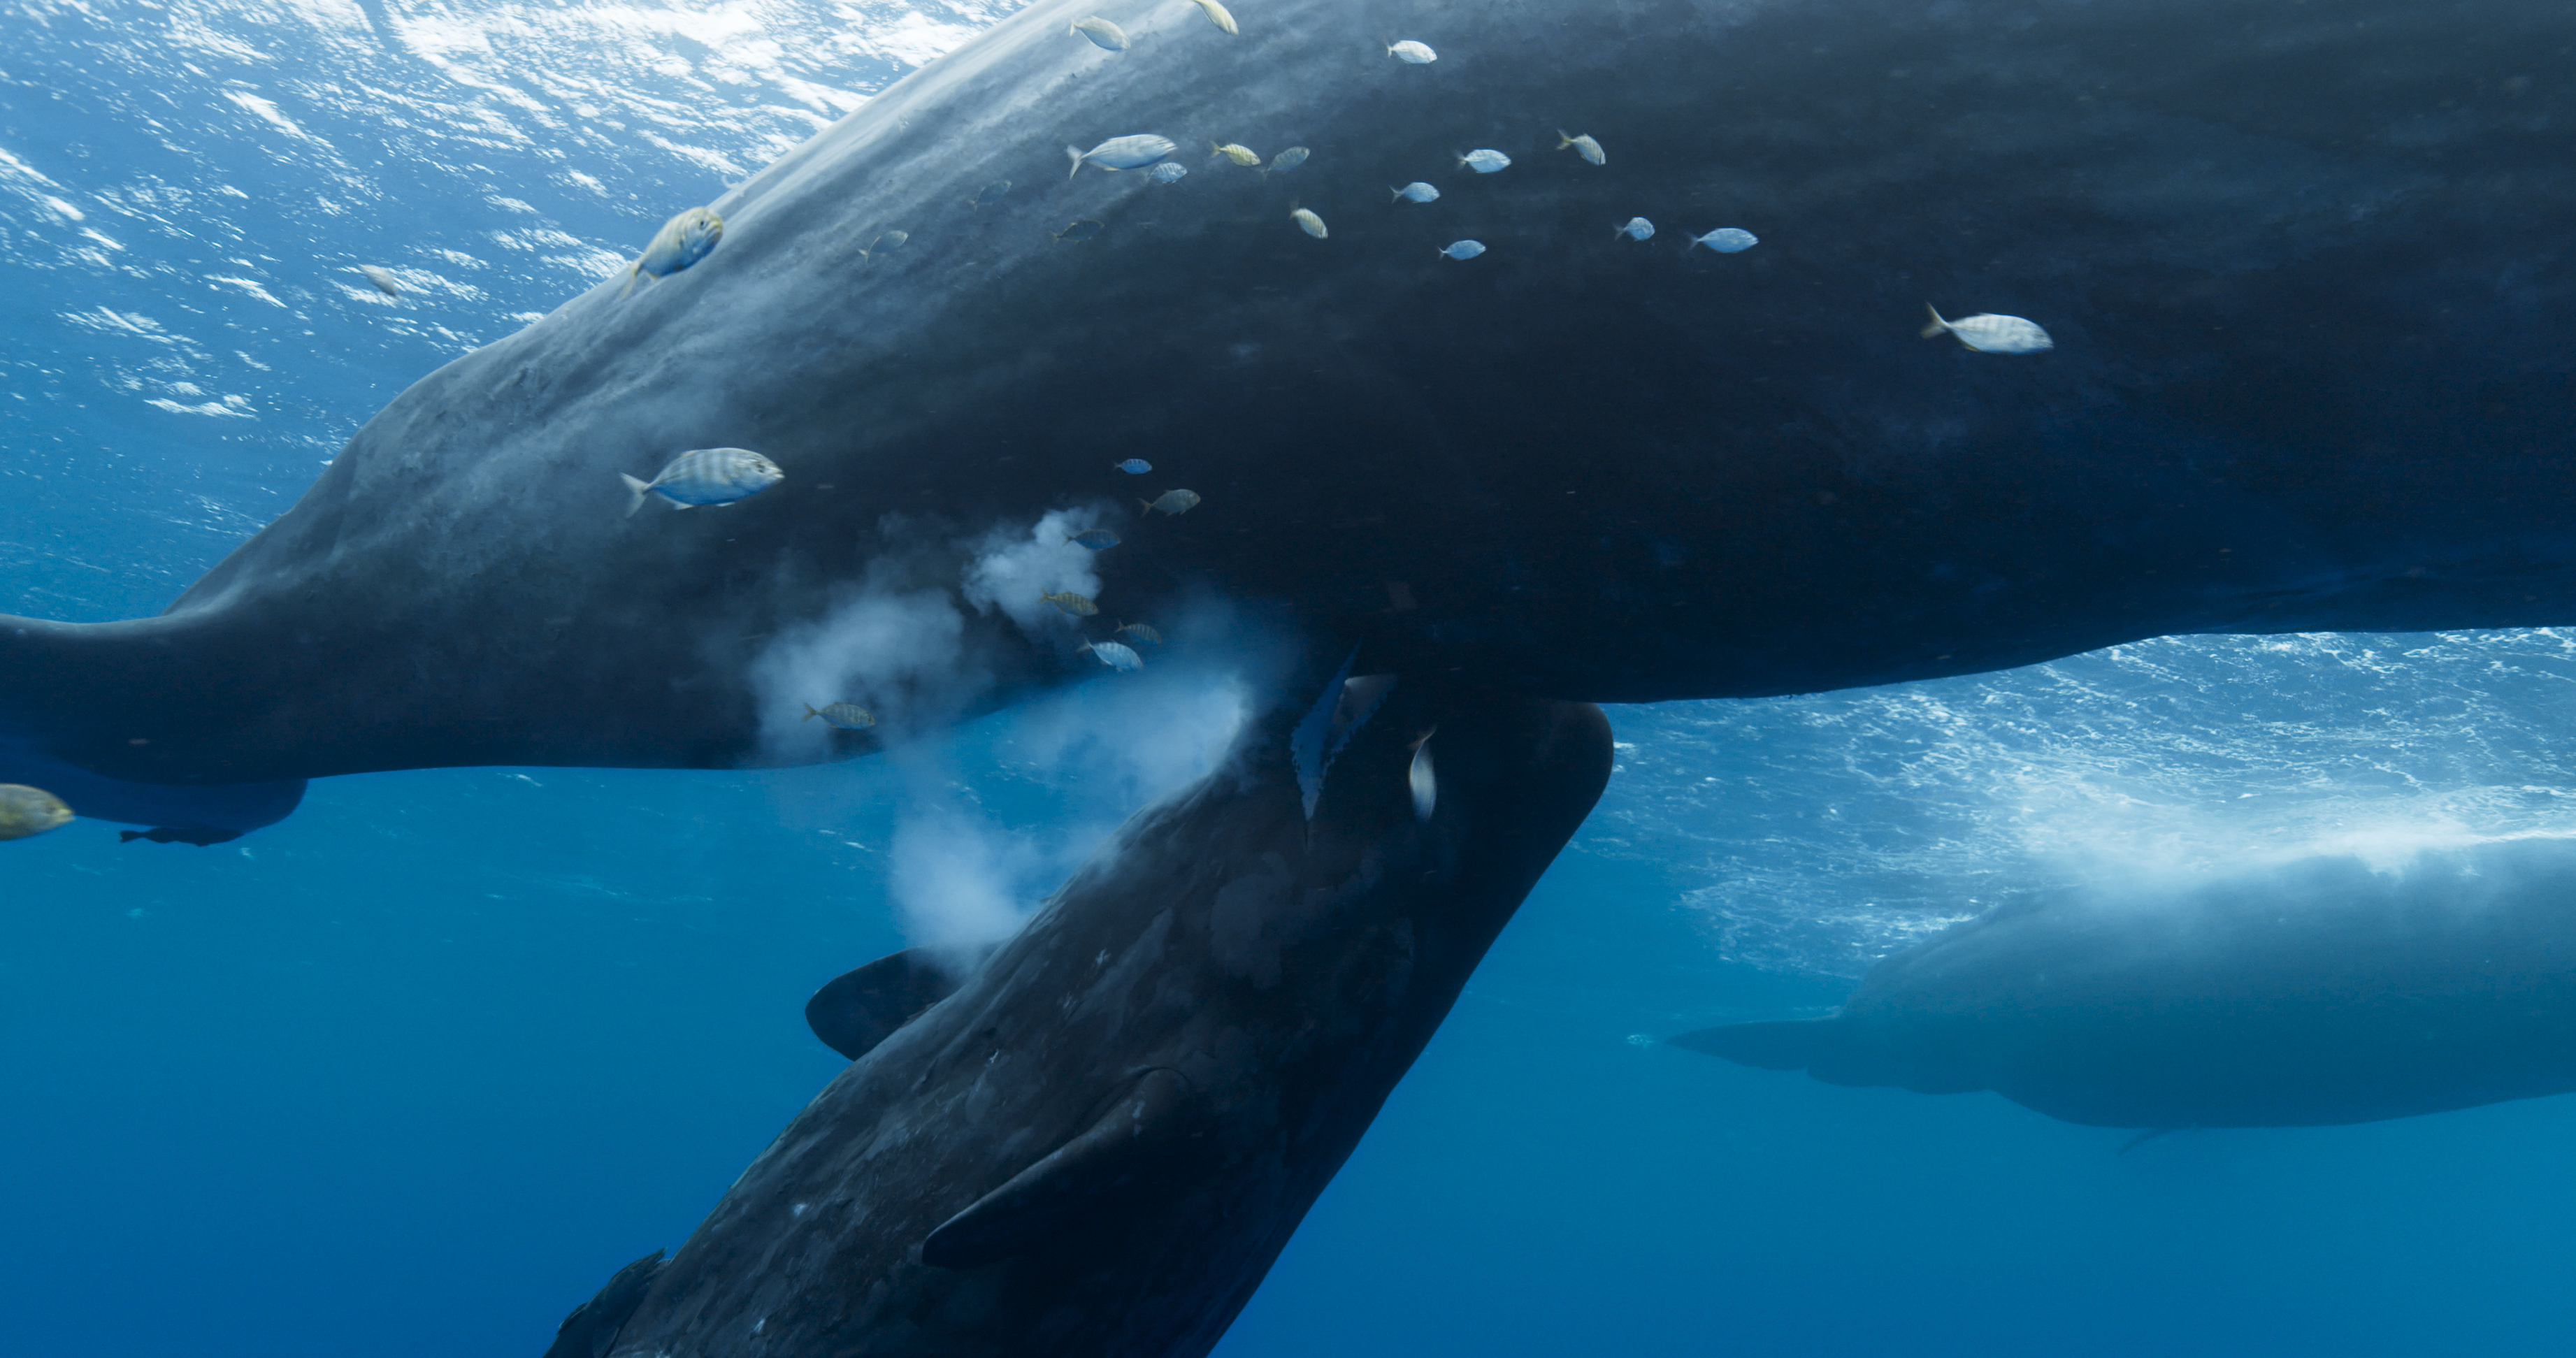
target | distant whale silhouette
x=2313, y=993
x=2312, y=369
x=1098, y=1143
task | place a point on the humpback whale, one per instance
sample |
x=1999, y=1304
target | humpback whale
x=2303, y=268
x=2309, y=993
x=1099, y=1141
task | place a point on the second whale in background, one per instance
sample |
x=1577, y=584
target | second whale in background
x=2311, y=993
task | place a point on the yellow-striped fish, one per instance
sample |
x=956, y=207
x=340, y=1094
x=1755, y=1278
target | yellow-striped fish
x=841, y=716
x=1072, y=603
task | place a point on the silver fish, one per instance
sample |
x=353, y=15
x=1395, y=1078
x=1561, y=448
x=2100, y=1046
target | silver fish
x=384, y=281
x=707, y=476
x=1287, y=160
x=1416, y=192
x=1725, y=240
x=1133, y=152
x=1412, y=53
x=1217, y=15
x=891, y=240
x=1988, y=333
x=1635, y=228
x=1167, y=172
x=1485, y=161
x=1424, y=784
x=841, y=716
x=1116, y=656
x=1141, y=632
x=1097, y=539
x=27, y=811
x=1104, y=35
x=1463, y=249
x=1173, y=502
x=1072, y=603
x=1584, y=146
x=1309, y=223
x=684, y=240
x=1135, y=466
x=991, y=193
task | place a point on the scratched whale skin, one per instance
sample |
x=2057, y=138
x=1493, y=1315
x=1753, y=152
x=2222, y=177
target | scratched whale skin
x=2300, y=264
x=1101, y=1141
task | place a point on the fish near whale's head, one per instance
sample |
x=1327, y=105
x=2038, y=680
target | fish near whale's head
x=1137, y=1098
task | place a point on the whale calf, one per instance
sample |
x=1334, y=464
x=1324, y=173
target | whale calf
x=2312, y=369
x=2315, y=992
x=1100, y=1140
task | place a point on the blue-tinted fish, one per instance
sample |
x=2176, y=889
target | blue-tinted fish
x=1115, y=655
x=684, y=240
x=891, y=240
x=1635, y=228
x=1415, y=192
x=991, y=193
x=1463, y=249
x=841, y=716
x=1412, y=53
x=1485, y=160
x=1287, y=160
x=1082, y=229
x=1097, y=539
x=1988, y=333
x=1584, y=146
x=1166, y=172
x=1725, y=240
x=1173, y=502
x=26, y=811
x=1218, y=16
x=1072, y=603
x=707, y=476
x=1141, y=632
x=1133, y=152
x=1135, y=466
x=1104, y=35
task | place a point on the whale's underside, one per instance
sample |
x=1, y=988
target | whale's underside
x=2306, y=267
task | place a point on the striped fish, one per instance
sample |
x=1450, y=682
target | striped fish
x=707, y=476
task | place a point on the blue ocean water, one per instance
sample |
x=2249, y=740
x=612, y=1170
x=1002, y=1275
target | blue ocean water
x=413, y=1071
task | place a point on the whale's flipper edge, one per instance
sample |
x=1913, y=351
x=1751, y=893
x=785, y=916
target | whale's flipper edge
x=856, y=1010
x=1105, y=1158
x=1783, y=1045
x=591, y=1330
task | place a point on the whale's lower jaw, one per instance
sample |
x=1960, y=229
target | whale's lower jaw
x=1099, y=1144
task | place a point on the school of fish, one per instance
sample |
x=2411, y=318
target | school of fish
x=718, y=476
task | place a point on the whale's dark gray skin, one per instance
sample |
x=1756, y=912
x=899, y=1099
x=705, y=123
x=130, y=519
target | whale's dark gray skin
x=1098, y=1143
x=2304, y=264
x=2314, y=993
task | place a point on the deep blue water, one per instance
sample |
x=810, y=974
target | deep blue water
x=413, y=1071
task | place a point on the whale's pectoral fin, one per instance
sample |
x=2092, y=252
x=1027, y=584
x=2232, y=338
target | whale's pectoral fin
x=856, y=1010
x=591, y=1330
x=1092, y=1169
x=1789, y=1045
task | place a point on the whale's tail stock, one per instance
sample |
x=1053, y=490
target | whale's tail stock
x=82, y=708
